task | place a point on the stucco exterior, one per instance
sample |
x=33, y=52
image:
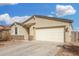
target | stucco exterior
x=29, y=27
x=21, y=31
x=43, y=22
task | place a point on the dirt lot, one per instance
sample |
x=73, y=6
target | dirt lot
x=31, y=48
x=68, y=50
x=4, y=44
x=37, y=48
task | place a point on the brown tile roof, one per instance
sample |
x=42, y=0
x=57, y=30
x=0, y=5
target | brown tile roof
x=4, y=28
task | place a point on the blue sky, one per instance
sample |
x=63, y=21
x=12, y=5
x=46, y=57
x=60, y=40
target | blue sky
x=21, y=11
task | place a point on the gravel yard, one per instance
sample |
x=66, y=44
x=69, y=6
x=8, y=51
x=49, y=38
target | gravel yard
x=68, y=50
x=29, y=48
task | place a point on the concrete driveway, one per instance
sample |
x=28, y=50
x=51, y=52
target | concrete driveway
x=32, y=48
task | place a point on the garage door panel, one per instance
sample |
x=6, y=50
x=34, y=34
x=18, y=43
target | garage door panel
x=54, y=34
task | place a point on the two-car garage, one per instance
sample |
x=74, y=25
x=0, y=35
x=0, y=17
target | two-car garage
x=50, y=34
x=43, y=28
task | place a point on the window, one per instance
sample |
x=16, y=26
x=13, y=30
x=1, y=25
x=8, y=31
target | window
x=15, y=30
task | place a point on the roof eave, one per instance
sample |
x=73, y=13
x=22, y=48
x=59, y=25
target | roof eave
x=59, y=19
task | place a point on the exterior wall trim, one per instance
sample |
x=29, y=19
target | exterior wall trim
x=49, y=27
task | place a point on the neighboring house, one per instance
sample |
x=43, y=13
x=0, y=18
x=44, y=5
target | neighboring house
x=4, y=33
x=44, y=28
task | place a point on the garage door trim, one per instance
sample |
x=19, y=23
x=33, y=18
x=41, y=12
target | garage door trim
x=50, y=28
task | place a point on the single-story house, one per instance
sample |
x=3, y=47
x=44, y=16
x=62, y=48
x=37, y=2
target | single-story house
x=44, y=28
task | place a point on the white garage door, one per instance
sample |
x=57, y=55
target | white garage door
x=53, y=34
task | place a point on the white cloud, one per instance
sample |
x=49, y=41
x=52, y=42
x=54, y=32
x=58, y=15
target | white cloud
x=52, y=12
x=9, y=20
x=20, y=19
x=5, y=17
x=50, y=15
x=62, y=10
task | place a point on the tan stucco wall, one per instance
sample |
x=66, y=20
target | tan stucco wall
x=42, y=22
x=31, y=30
x=68, y=34
x=30, y=21
x=21, y=31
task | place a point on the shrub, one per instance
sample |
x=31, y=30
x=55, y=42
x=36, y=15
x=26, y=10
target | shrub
x=6, y=36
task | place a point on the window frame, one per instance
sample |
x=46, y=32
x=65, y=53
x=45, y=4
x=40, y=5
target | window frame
x=16, y=30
